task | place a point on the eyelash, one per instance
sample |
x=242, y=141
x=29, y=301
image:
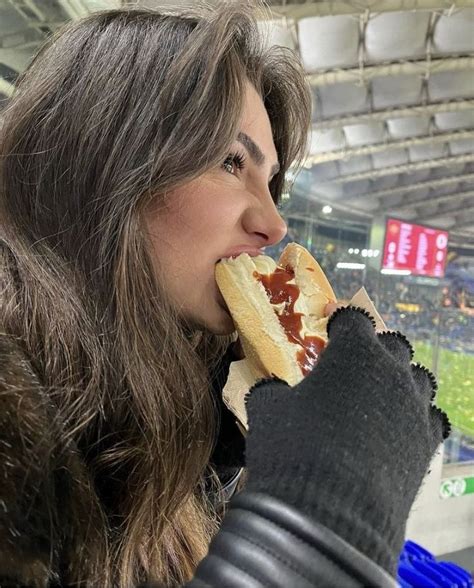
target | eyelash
x=237, y=159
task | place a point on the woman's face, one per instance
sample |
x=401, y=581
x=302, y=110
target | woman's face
x=222, y=213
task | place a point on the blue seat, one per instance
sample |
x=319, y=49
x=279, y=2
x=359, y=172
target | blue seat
x=459, y=571
x=459, y=575
x=413, y=578
x=430, y=569
x=416, y=551
x=418, y=568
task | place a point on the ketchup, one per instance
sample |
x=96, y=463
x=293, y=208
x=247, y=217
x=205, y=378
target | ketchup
x=278, y=290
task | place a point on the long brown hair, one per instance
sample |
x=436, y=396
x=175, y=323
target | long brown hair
x=114, y=111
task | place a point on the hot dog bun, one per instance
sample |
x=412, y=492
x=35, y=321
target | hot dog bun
x=278, y=310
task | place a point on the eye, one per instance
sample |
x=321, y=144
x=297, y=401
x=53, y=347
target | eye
x=233, y=163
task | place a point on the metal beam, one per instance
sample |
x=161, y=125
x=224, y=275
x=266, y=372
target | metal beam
x=362, y=74
x=21, y=38
x=32, y=7
x=449, y=212
x=75, y=8
x=453, y=242
x=465, y=223
x=68, y=9
x=462, y=234
x=327, y=222
x=386, y=194
x=309, y=195
x=379, y=147
x=401, y=169
x=428, y=200
x=318, y=8
x=380, y=115
x=6, y=87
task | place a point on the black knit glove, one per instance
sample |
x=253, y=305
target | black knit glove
x=350, y=444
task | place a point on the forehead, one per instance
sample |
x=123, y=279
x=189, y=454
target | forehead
x=256, y=123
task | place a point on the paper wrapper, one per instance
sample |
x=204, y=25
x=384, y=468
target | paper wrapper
x=241, y=379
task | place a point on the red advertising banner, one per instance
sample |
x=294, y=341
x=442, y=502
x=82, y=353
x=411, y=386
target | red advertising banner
x=414, y=248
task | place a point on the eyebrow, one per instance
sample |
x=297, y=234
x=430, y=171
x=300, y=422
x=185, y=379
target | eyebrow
x=255, y=152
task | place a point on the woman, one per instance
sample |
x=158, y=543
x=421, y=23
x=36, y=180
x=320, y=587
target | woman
x=138, y=150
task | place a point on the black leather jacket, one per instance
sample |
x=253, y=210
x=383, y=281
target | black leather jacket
x=265, y=542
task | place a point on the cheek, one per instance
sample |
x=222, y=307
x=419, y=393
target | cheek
x=196, y=229
x=208, y=223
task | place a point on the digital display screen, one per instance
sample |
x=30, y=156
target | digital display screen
x=414, y=248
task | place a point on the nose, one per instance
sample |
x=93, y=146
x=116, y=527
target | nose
x=264, y=220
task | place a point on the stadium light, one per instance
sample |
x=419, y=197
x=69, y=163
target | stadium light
x=396, y=272
x=350, y=265
x=327, y=209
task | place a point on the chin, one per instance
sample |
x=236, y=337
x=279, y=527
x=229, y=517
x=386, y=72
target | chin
x=218, y=321
x=222, y=325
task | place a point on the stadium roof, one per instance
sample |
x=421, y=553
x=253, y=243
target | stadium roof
x=393, y=89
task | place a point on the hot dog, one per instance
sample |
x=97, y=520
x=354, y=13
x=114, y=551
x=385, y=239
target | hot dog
x=278, y=310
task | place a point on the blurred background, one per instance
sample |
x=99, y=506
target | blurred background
x=385, y=200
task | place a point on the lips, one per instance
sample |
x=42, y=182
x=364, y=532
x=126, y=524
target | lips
x=252, y=251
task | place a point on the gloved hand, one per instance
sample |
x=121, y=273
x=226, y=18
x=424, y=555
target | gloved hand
x=350, y=444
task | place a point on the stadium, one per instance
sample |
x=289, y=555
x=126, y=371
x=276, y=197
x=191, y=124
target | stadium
x=385, y=198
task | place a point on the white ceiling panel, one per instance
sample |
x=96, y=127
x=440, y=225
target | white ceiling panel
x=409, y=126
x=354, y=188
x=448, y=189
x=424, y=152
x=329, y=41
x=444, y=172
x=410, y=214
x=416, y=195
x=418, y=176
x=396, y=35
x=364, y=134
x=387, y=182
x=367, y=204
x=390, y=158
x=355, y=165
x=336, y=99
x=18, y=59
x=330, y=191
x=277, y=33
x=10, y=20
x=391, y=91
x=326, y=171
x=451, y=84
x=327, y=140
x=461, y=146
x=454, y=32
x=443, y=222
x=448, y=121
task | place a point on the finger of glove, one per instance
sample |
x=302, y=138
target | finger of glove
x=425, y=381
x=350, y=319
x=266, y=390
x=265, y=397
x=397, y=345
x=440, y=425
